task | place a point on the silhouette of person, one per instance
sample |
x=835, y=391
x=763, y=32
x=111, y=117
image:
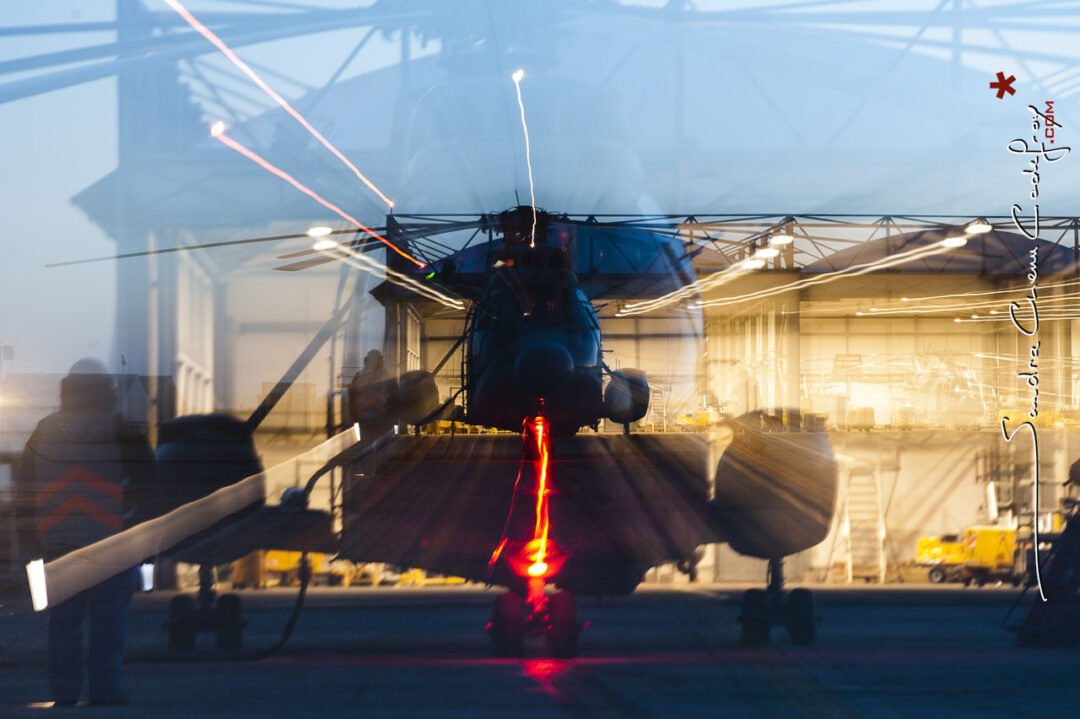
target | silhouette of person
x=371, y=397
x=85, y=476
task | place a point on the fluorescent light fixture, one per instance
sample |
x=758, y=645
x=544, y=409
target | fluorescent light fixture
x=978, y=227
x=319, y=231
x=324, y=244
x=754, y=264
x=780, y=239
x=765, y=253
x=35, y=572
x=954, y=241
x=146, y=574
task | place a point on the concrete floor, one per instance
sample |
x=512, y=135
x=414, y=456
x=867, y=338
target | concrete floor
x=903, y=651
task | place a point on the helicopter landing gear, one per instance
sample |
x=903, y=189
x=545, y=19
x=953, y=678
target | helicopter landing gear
x=563, y=628
x=222, y=615
x=507, y=627
x=554, y=617
x=763, y=608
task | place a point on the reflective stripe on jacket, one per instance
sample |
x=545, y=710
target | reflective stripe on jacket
x=78, y=480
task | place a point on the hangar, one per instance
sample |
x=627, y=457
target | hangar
x=909, y=366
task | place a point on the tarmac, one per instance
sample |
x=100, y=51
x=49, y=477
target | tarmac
x=892, y=651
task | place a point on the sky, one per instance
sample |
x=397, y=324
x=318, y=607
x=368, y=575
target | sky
x=818, y=107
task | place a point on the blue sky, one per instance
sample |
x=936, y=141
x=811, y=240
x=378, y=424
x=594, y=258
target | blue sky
x=860, y=112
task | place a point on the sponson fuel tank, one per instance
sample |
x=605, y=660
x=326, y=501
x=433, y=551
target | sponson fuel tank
x=775, y=487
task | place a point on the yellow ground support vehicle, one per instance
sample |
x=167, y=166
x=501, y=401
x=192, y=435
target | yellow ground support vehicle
x=698, y=421
x=944, y=556
x=990, y=554
x=420, y=578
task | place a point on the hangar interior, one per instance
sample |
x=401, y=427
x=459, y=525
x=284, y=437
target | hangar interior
x=909, y=366
x=909, y=369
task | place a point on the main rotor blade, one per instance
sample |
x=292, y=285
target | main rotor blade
x=206, y=246
x=417, y=233
x=322, y=259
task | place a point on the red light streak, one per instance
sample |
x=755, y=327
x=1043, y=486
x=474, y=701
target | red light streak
x=498, y=552
x=243, y=67
x=218, y=133
x=543, y=520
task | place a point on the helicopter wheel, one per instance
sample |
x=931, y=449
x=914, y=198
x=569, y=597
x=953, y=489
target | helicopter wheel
x=183, y=623
x=507, y=626
x=564, y=629
x=756, y=618
x=801, y=616
x=230, y=623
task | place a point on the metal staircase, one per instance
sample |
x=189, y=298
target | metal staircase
x=858, y=550
x=865, y=524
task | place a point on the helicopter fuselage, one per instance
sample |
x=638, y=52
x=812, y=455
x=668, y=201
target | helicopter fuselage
x=534, y=344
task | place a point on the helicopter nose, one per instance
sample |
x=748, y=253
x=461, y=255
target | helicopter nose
x=544, y=368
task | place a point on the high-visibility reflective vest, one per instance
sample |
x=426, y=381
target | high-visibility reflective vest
x=371, y=401
x=78, y=479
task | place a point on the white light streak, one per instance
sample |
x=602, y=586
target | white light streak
x=324, y=245
x=854, y=271
x=978, y=228
x=35, y=573
x=146, y=576
x=781, y=239
x=365, y=263
x=716, y=279
x=516, y=77
x=319, y=231
x=979, y=293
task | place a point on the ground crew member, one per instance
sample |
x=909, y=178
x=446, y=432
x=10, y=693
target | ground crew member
x=85, y=476
x=371, y=399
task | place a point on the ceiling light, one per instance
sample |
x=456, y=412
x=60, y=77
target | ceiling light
x=754, y=264
x=319, y=231
x=323, y=245
x=954, y=241
x=978, y=227
x=780, y=239
x=765, y=253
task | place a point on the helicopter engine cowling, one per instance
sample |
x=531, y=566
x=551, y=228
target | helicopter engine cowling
x=626, y=398
x=417, y=396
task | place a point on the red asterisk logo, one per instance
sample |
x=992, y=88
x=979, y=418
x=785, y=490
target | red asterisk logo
x=1003, y=85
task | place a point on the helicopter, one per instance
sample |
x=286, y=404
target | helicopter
x=531, y=335
x=586, y=512
x=619, y=504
